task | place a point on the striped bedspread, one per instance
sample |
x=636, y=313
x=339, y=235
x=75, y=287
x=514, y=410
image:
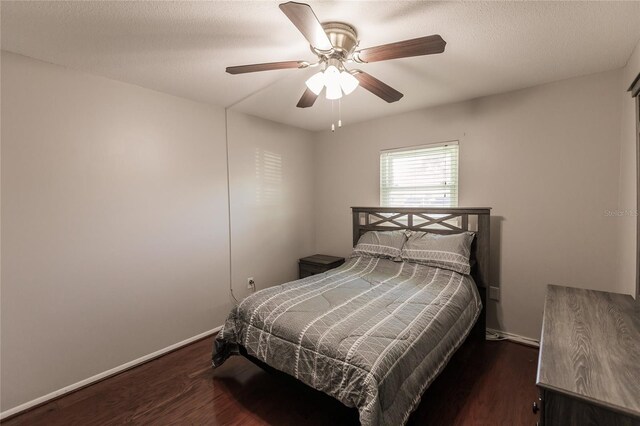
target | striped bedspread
x=373, y=333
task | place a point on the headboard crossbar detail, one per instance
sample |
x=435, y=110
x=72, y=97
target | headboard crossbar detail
x=440, y=220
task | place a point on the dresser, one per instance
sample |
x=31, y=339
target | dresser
x=589, y=364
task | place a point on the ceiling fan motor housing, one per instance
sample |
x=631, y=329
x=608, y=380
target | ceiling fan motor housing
x=343, y=37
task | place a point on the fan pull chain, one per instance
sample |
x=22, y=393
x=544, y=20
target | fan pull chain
x=333, y=126
x=339, y=113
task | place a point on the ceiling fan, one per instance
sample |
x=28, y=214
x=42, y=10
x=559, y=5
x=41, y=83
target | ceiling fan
x=335, y=44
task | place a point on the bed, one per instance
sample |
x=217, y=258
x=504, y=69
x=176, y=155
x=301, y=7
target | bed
x=373, y=333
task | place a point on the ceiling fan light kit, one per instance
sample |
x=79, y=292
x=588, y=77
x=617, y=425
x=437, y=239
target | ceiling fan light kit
x=335, y=78
x=336, y=43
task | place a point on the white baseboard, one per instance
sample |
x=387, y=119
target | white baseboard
x=103, y=375
x=515, y=338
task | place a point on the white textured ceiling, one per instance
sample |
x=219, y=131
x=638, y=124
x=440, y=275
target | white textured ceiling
x=183, y=48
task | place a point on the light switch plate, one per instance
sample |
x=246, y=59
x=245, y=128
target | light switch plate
x=494, y=293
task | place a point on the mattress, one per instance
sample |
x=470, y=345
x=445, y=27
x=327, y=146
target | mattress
x=372, y=333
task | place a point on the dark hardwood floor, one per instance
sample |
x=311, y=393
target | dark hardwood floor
x=490, y=383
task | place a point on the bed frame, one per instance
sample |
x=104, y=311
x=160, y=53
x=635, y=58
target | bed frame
x=439, y=220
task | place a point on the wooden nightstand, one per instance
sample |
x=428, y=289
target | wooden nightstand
x=317, y=264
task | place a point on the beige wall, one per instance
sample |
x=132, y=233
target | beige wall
x=545, y=158
x=115, y=238
x=109, y=195
x=272, y=200
x=628, y=180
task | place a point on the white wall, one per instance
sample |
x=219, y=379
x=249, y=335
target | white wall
x=545, y=158
x=272, y=201
x=115, y=238
x=628, y=180
x=114, y=207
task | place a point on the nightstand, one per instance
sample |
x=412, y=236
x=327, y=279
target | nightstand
x=317, y=264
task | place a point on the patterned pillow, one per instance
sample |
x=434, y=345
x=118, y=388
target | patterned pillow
x=385, y=244
x=442, y=251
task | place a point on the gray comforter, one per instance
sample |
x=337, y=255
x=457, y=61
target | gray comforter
x=373, y=333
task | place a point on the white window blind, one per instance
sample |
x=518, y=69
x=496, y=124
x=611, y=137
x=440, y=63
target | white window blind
x=425, y=176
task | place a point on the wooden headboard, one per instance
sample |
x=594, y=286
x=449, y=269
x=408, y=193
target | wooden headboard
x=440, y=220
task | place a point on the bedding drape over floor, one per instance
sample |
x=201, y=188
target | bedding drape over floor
x=372, y=333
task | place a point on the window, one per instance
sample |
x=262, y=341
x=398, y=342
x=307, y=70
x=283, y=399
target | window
x=420, y=176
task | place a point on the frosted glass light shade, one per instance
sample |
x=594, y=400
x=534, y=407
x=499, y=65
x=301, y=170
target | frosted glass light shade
x=334, y=92
x=316, y=82
x=348, y=82
x=332, y=82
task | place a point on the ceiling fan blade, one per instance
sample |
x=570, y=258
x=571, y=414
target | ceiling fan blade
x=302, y=16
x=428, y=45
x=241, y=69
x=377, y=87
x=308, y=99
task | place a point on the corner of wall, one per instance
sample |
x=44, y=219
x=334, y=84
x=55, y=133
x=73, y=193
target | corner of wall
x=317, y=199
x=271, y=178
x=627, y=186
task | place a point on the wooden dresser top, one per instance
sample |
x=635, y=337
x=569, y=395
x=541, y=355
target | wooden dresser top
x=590, y=347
